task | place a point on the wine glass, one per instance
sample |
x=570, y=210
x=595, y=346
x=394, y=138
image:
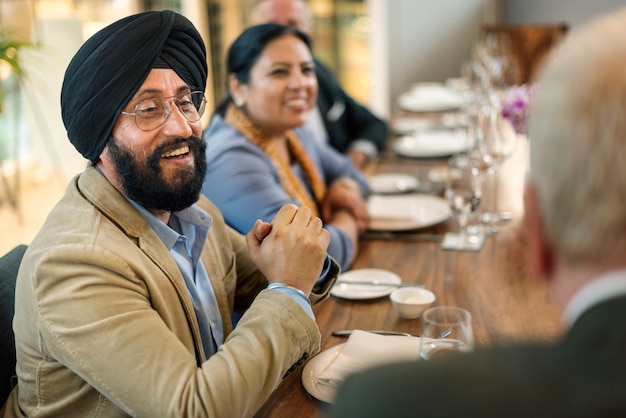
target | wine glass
x=463, y=193
x=494, y=144
x=444, y=329
x=493, y=51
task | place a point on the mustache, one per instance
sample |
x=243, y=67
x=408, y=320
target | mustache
x=196, y=145
x=193, y=141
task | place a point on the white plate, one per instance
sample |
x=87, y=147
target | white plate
x=409, y=125
x=392, y=183
x=458, y=84
x=405, y=212
x=429, y=144
x=363, y=291
x=443, y=174
x=314, y=367
x=430, y=97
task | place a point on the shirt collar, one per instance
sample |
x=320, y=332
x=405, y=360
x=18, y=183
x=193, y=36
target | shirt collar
x=193, y=214
x=607, y=286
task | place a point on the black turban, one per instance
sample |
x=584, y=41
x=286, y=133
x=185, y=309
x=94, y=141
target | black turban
x=110, y=67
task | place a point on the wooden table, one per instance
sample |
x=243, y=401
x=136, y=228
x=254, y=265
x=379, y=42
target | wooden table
x=507, y=304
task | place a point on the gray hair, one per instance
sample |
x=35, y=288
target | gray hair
x=577, y=131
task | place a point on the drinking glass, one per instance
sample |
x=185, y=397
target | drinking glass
x=493, y=52
x=446, y=328
x=463, y=193
x=495, y=143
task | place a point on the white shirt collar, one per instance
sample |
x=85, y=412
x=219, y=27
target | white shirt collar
x=316, y=124
x=607, y=286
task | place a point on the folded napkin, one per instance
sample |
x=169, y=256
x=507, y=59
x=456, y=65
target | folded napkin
x=363, y=350
x=393, y=207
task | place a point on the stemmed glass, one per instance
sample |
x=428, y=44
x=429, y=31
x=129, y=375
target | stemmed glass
x=495, y=142
x=463, y=193
x=493, y=54
x=497, y=69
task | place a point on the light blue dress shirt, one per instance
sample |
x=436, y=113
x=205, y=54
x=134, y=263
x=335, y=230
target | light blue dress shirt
x=184, y=237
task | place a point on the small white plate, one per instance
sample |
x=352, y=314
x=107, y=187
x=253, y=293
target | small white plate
x=434, y=143
x=406, y=212
x=392, y=183
x=363, y=291
x=314, y=367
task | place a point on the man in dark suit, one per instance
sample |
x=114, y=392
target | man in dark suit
x=575, y=226
x=348, y=125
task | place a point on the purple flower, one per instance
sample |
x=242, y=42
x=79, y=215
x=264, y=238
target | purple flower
x=515, y=105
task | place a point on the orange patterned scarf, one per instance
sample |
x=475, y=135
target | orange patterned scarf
x=291, y=183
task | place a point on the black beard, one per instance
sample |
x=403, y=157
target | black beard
x=143, y=181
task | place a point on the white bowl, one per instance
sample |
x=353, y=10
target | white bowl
x=410, y=302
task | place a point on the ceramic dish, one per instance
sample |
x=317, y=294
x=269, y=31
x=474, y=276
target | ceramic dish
x=430, y=144
x=406, y=212
x=392, y=183
x=346, y=290
x=314, y=367
x=430, y=98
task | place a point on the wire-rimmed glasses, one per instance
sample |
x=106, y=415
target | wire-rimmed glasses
x=151, y=113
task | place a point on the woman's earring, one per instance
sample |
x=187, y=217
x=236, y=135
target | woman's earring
x=238, y=102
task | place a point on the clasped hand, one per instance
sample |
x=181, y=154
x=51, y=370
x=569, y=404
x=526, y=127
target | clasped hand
x=340, y=197
x=291, y=249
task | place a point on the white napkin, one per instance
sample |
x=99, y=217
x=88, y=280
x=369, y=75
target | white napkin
x=363, y=350
x=393, y=207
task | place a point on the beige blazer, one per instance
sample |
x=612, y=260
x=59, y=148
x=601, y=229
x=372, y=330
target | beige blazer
x=105, y=326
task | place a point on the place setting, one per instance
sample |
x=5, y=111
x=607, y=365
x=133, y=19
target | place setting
x=399, y=203
x=431, y=137
x=406, y=211
x=324, y=373
x=444, y=329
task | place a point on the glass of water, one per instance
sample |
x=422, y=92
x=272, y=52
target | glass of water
x=463, y=193
x=444, y=329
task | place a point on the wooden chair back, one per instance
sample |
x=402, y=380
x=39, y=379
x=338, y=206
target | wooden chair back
x=529, y=45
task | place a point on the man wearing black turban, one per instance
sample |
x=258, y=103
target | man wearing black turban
x=124, y=298
x=108, y=69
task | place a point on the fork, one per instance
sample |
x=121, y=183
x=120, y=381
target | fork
x=347, y=332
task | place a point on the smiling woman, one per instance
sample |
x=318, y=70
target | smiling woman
x=259, y=155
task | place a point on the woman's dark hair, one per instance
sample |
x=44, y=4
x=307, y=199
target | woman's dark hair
x=245, y=51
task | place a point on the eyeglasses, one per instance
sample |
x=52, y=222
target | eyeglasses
x=151, y=113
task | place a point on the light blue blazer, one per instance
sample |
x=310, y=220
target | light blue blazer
x=244, y=184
